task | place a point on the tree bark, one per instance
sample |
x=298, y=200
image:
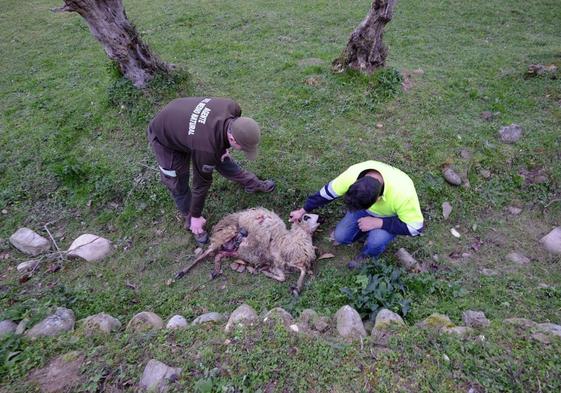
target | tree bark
x=109, y=24
x=365, y=50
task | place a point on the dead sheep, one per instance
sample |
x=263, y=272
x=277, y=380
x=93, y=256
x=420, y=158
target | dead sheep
x=259, y=238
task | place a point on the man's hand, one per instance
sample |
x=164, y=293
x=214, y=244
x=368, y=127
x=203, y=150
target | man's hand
x=296, y=215
x=366, y=224
x=197, y=224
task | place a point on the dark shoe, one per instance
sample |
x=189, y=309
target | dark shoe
x=357, y=262
x=261, y=186
x=201, y=238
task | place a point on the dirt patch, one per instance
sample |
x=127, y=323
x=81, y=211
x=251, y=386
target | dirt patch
x=60, y=375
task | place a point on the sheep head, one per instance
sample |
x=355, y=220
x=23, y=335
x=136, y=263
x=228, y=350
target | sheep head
x=308, y=222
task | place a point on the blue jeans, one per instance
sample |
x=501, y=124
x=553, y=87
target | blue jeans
x=347, y=232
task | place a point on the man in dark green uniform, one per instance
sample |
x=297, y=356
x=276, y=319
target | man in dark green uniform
x=201, y=130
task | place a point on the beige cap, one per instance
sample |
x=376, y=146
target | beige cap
x=247, y=134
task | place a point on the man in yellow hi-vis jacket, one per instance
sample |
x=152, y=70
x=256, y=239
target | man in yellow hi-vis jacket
x=382, y=203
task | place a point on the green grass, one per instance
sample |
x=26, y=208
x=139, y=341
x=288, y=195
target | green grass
x=74, y=155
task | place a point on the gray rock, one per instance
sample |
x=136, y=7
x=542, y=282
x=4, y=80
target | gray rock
x=349, y=323
x=27, y=266
x=511, y=133
x=386, y=318
x=451, y=176
x=157, y=376
x=541, y=337
x=278, y=314
x=213, y=317
x=244, y=315
x=22, y=325
x=520, y=322
x=145, y=321
x=466, y=154
x=436, y=321
x=475, y=319
x=100, y=323
x=62, y=374
x=485, y=173
x=90, y=247
x=311, y=61
x=514, y=210
x=552, y=241
x=518, y=258
x=310, y=319
x=176, y=322
x=550, y=328
x=487, y=116
x=29, y=242
x=61, y=321
x=446, y=210
x=461, y=331
x=406, y=260
x=489, y=272
x=7, y=327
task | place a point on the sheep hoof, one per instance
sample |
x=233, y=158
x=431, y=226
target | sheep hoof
x=215, y=274
x=295, y=292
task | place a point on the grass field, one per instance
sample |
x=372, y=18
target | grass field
x=74, y=156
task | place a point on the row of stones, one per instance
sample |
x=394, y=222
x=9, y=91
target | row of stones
x=157, y=375
x=348, y=323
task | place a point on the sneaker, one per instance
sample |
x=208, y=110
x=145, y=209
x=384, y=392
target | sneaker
x=201, y=238
x=261, y=186
x=357, y=262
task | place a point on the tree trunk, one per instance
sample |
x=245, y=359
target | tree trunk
x=365, y=50
x=109, y=24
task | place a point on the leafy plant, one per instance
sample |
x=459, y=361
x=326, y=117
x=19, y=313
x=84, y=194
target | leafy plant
x=378, y=286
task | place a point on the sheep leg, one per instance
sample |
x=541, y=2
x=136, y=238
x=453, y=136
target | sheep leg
x=275, y=274
x=298, y=288
x=218, y=262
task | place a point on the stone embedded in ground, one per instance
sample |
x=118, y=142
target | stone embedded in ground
x=349, y=323
x=22, y=325
x=436, y=321
x=29, y=242
x=100, y=323
x=27, y=266
x=466, y=154
x=511, y=133
x=311, y=61
x=446, y=210
x=552, y=241
x=549, y=328
x=541, y=337
x=157, y=376
x=455, y=233
x=520, y=322
x=310, y=319
x=461, y=331
x=278, y=314
x=176, y=322
x=145, y=321
x=485, y=173
x=62, y=374
x=487, y=116
x=488, y=272
x=518, y=258
x=386, y=318
x=90, y=247
x=61, y=321
x=451, y=176
x=406, y=260
x=212, y=317
x=514, y=210
x=475, y=319
x=7, y=327
x=242, y=316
